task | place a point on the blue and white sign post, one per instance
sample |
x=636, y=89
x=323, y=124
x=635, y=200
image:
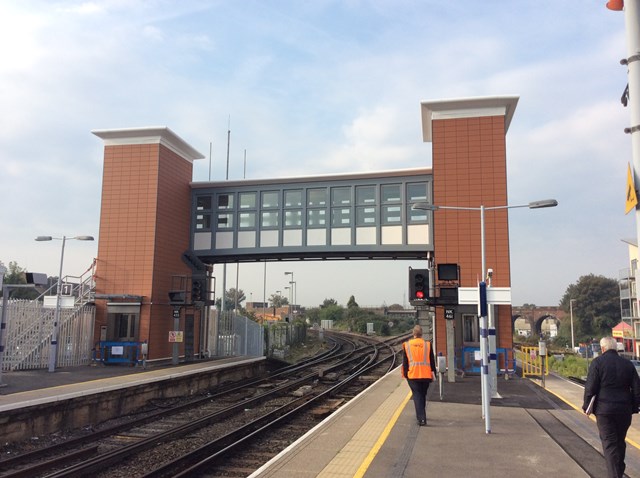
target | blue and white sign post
x=484, y=353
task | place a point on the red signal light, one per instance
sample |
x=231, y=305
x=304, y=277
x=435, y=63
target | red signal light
x=419, y=294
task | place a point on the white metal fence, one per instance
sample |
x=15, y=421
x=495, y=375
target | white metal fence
x=236, y=335
x=28, y=335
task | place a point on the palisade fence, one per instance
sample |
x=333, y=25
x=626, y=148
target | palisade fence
x=233, y=334
x=29, y=330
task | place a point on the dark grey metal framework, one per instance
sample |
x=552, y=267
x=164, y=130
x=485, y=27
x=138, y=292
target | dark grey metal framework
x=346, y=216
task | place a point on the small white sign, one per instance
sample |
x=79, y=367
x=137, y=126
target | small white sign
x=477, y=356
x=117, y=350
x=495, y=295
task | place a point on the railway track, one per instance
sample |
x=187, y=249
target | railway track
x=224, y=417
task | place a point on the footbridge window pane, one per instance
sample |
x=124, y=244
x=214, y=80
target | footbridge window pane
x=341, y=217
x=391, y=214
x=247, y=200
x=293, y=198
x=365, y=195
x=317, y=197
x=293, y=218
x=366, y=216
x=225, y=201
x=270, y=219
x=270, y=199
x=416, y=215
x=225, y=221
x=340, y=196
x=203, y=221
x=247, y=220
x=203, y=203
x=391, y=193
x=316, y=217
x=416, y=192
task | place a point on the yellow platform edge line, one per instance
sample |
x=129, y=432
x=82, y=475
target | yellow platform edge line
x=591, y=417
x=364, y=466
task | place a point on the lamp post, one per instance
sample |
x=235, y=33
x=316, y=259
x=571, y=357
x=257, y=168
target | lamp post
x=293, y=290
x=53, y=350
x=484, y=330
x=292, y=284
x=289, y=288
x=573, y=342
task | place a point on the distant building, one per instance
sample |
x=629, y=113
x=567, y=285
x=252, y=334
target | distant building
x=627, y=280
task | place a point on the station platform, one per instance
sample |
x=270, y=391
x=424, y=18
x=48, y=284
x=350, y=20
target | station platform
x=21, y=389
x=537, y=429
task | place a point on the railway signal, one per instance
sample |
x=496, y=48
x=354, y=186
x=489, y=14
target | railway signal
x=197, y=289
x=418, y=285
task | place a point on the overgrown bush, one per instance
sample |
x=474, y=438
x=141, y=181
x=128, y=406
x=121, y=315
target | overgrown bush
x=569, y=366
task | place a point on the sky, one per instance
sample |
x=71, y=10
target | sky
x=312, y=88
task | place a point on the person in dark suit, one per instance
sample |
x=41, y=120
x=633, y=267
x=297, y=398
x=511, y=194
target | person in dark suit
x=615, y=384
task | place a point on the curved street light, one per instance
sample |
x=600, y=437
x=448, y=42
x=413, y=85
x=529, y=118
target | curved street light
x=53, y=350
x=486, y=348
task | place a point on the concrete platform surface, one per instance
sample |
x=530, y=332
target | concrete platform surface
x=533, y=433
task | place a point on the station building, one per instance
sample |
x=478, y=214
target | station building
x=161, y=232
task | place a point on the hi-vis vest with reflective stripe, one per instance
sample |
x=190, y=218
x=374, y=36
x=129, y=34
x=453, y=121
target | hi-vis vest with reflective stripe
x=418, y=352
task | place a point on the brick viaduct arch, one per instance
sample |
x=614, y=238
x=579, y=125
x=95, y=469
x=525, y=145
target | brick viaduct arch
x=534, y=316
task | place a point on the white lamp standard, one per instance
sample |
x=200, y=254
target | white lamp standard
x=483, y=320
x=289, y=288
x=278, y=292
x=53, y=350
x=292, y=298
x=573, y=342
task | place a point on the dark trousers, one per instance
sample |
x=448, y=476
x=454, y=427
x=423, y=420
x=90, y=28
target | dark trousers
x=613, y=430
x=419, y=390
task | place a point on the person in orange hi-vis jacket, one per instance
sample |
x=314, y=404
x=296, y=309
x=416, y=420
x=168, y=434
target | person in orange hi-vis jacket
x=418, y=367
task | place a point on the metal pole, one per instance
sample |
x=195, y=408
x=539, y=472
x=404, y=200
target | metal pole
x=264, y=293
x=237, y=281
x=3, y=327
x=175, y=356
x=573, y=343
x=53, y=350
x=632, y=23
x=486, y=396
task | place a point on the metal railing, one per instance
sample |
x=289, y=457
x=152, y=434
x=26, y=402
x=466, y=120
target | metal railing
x=236, y=335
x=29, y=330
